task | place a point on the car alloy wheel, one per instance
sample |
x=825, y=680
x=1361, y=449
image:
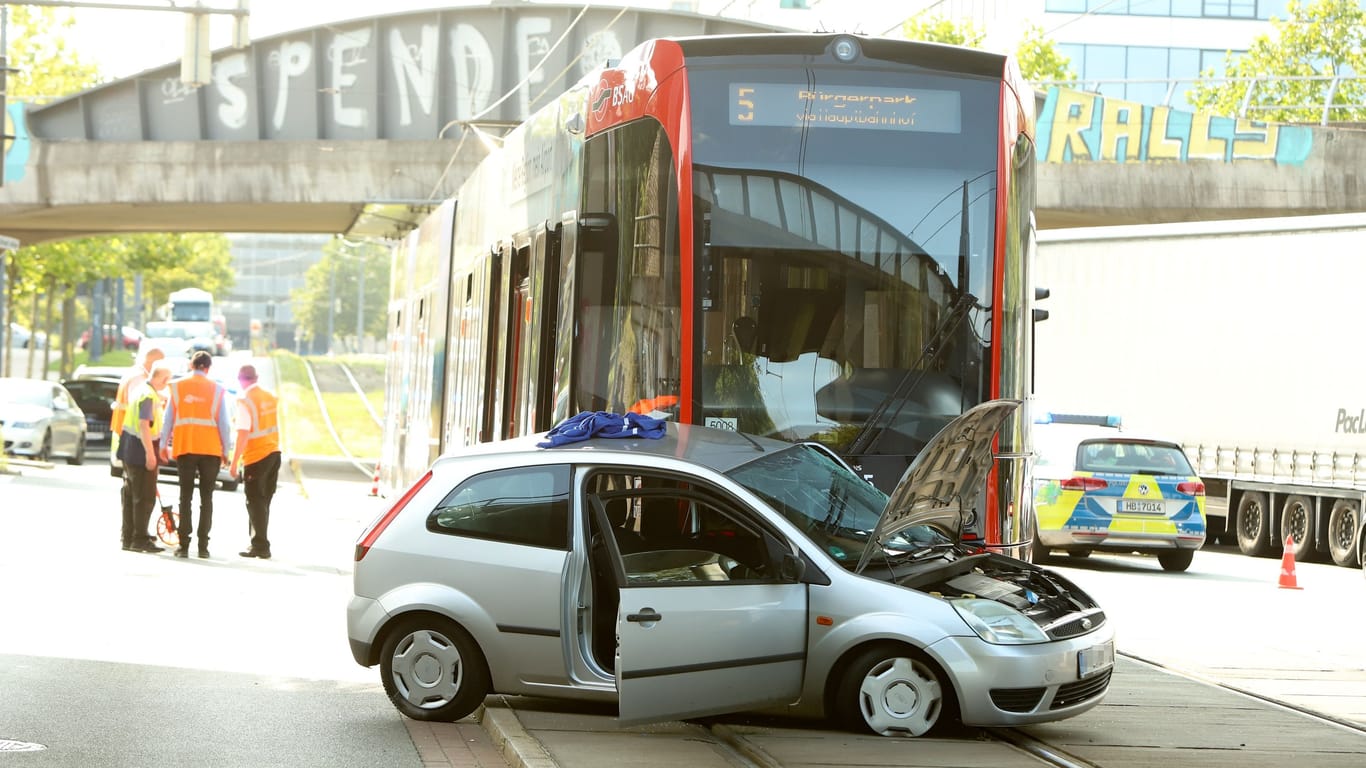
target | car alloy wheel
x=891, y=692
x=433, y=670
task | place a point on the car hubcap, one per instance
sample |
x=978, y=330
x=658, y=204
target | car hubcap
x=427, y=669
x=900, y=696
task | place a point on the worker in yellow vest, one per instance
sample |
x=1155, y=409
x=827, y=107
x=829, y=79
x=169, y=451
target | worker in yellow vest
x=195, y=433
x=136, y=376
x=256, y=461
x=138, y=453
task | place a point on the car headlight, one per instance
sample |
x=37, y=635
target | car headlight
x=998, y=624
x=23, y=424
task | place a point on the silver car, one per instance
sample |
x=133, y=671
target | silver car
x=709, y=572
x=40, y=419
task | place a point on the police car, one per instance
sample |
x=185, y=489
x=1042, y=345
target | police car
x=1098, y=488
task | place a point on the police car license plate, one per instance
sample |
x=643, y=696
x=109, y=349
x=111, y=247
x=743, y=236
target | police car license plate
x=1095, y=659
x=1142, y=507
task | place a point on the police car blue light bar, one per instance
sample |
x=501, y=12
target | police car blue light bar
x=1097, y=420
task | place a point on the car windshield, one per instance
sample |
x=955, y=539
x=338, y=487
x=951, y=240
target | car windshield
x=1132, y=457
x=25, y=392
x=836, y=508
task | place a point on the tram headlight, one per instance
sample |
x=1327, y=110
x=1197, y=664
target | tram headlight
x=845, y=49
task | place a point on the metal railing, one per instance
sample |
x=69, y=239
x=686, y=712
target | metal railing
x=1326, y=107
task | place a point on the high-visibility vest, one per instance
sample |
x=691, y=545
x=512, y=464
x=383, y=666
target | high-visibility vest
x=263, y=433
x=127, y=385
x=139, y=393
x=196, y=400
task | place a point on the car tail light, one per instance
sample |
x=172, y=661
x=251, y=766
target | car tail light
x=370, y=536
x=1083, y=484
x=1191, y=488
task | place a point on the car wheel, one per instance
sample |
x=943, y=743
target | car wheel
x=1343, y=523
x=1176, y=559
x=1297, y=524
x=229, y=485
x=79, y=458
x=893, y=691
x=433, y=670
x=1080, y=554
x=1253, y=519
x=45, y=451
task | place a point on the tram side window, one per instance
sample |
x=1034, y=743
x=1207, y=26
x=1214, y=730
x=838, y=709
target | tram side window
x=627, y=354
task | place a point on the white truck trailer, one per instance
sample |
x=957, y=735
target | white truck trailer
x=1236, y=339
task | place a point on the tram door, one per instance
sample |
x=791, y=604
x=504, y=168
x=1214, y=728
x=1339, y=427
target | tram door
x=525, y=356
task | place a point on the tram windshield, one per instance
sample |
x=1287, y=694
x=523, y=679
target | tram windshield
x=845, y=220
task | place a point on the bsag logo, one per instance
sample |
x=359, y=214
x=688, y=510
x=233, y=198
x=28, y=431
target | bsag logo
x=617, y=94
x=601, y=101
x=1352, y=425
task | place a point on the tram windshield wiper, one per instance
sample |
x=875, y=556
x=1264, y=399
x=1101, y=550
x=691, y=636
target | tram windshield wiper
x=880, y=419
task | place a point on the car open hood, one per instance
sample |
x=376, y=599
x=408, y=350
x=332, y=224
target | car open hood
x=941, y=486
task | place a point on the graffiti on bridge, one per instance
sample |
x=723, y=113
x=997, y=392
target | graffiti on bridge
x=1078, y=127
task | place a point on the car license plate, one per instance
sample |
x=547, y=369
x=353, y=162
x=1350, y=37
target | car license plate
x=95, y=435
x=1138, y=506
x=1095, y=659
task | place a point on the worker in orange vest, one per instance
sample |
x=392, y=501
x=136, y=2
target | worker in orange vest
x=195, y=433
x=256, y=460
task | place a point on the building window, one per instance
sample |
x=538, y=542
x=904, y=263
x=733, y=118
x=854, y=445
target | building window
x=1215, y=9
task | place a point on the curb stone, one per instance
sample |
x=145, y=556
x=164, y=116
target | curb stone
x=521, y=749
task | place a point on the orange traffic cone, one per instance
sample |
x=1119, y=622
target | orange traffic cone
x=374, y=485
x=1288, y=565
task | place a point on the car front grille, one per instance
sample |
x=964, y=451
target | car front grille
x=1076, y=693
x=1078, y=626
x=1016, y=699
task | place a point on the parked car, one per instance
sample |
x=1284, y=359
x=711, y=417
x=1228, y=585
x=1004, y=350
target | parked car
x=40, y=420
x=126, y=337
x=22, y=338
x=1099, y=488
x=709, y=572
x=95, y=395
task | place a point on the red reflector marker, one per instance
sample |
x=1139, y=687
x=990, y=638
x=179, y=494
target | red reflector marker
x=369, y=537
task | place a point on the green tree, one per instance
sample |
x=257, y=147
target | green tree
x=46, y=67
x=327, y=300
x=1321, y=39
x=1036, y=55
x=940, y=29
x=1040, y=60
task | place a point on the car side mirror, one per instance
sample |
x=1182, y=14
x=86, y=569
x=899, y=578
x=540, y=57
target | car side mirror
x=791, y=568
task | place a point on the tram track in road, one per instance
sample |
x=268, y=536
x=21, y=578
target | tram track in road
x=366, y=470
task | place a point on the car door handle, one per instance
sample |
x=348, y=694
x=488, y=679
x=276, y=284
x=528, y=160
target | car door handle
x=645, y=615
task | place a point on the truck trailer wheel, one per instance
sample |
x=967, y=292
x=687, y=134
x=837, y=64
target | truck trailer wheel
x=1252, y=521
x=1297, y=525
x=1343, y=523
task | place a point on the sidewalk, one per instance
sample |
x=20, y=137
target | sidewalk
x=1150, y=716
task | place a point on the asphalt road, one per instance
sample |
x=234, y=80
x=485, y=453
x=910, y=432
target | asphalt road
x=115, y=658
